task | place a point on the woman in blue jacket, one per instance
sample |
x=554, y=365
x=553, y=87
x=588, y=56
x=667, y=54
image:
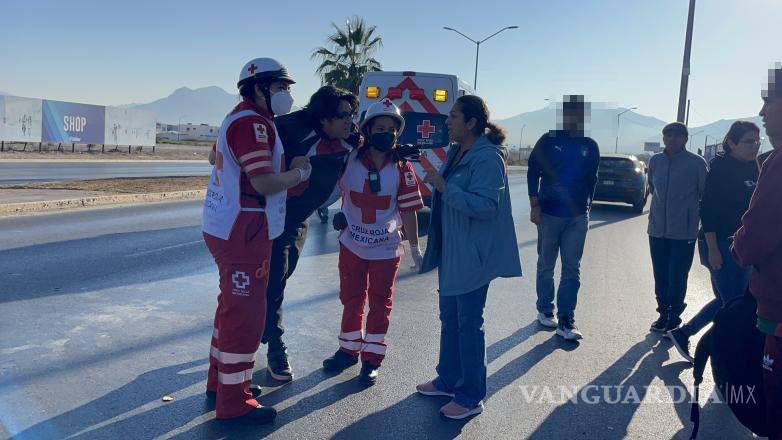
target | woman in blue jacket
x=472, y=240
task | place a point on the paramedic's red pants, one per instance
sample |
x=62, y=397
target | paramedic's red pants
x=772, y=384
x=359, y=279
x=243, y=263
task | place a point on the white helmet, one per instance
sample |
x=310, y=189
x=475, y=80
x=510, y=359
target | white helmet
x=383, y=108
x=264, y=70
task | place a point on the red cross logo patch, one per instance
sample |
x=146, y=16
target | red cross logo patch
x=252, y=69
x=240, y=280
x=369, y=203
x=387, y=103
x=261, y=136
x=426, y=129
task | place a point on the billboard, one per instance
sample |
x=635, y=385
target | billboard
x=70, y=122
x=20, y=119
x=653, y=147
x=129, y=127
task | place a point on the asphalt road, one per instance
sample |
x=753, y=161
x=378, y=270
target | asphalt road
x=106, y=311
x=17, y=172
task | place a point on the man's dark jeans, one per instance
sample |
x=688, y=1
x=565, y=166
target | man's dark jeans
x=286, y=250
x=671, y=262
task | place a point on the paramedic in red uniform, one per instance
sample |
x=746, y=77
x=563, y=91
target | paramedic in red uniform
x=244, y=211
x=380, y=197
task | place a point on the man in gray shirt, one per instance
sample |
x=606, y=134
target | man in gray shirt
x=677, y=178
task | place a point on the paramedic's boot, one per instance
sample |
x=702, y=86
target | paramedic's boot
x=339, y=362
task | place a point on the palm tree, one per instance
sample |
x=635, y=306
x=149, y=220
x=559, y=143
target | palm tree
x=349, y=56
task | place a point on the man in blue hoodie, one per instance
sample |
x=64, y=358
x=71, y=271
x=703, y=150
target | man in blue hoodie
x=561, y=181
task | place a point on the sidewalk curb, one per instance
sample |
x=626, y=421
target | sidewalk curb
x=10, y=209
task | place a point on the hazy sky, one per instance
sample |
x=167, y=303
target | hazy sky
x=623, y=51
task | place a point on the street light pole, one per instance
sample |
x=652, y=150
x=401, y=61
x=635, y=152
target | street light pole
x=616, y=146
x=179, y=128
x=521, y=138
x=478, y=48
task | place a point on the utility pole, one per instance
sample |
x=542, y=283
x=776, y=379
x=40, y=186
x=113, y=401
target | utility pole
x=686, y=64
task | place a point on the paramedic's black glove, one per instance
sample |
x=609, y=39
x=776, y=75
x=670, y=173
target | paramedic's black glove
x=339, y=222
x=408, y=152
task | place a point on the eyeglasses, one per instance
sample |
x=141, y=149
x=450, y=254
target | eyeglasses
x=345, y=115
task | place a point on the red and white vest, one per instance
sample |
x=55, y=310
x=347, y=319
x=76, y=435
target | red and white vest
x=374, y=230
x=223, y=195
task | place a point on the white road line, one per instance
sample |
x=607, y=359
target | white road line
x=165, y=248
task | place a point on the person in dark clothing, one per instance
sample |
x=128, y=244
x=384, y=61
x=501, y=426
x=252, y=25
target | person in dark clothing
x=730, y=182
x=323, y=132
x=677, y=179
x=758, y=243
x=561, y=181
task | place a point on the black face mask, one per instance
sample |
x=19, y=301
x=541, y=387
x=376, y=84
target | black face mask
x=382, y=141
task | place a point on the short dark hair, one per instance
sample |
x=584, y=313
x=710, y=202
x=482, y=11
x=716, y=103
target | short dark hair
x=676, y=128
x=324, y=103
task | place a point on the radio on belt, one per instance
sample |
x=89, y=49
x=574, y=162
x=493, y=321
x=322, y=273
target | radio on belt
x=374, y=181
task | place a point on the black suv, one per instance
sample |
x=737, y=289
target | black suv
x=622, y=178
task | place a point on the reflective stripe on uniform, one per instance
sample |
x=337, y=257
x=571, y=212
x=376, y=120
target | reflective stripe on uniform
x=374, y=348
x=254, y=154
x=231, y=358
x=235, y=378
x=351, y=336
x=350, y=345
x=409, y=204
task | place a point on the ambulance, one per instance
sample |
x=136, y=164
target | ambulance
x=424, y=100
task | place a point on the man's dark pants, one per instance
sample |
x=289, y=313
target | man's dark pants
x=671, y=263
x=286, y=251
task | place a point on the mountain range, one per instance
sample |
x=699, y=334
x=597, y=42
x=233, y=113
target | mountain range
x=210, y=105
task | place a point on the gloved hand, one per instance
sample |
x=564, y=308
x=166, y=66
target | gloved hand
x=417, y=257
x=339, y=222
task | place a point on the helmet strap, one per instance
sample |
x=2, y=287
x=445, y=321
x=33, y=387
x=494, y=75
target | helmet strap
x=267, y=96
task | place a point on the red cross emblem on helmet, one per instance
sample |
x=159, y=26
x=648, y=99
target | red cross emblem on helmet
x=387, y=103
x=252, y=69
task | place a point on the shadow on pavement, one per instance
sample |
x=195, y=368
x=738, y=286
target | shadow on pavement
x=94, y=419
x=606, y=406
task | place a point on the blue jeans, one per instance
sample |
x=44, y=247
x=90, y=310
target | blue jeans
x=566, y=237
x=462, y=366
x=727, y=283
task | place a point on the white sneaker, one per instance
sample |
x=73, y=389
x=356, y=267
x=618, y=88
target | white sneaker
x=569, y=331
x=547, y=321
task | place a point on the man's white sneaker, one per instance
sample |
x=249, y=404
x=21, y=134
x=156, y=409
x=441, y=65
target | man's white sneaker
x=569, y=331
x=547, y=320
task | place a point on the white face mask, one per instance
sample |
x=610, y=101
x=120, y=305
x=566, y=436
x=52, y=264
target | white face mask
x=282, y=102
